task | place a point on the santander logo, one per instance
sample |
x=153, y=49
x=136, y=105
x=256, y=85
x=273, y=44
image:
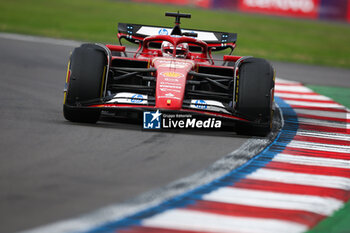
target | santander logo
x=305, y=6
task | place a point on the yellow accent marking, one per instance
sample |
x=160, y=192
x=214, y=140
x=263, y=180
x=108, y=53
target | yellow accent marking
x=168, y=102
x=172, y=74
x=65, y=93
x=103, y=80
x=237, y=88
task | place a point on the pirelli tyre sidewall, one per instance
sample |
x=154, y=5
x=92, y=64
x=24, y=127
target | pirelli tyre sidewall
x=254, y=96
x=87, y=68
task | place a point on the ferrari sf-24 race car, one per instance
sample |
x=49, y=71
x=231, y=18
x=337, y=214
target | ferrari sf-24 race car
x=173, y=70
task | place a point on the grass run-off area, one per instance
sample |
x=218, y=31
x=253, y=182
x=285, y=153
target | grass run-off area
x=338, y=94
x=274, y=38
x=339, y=222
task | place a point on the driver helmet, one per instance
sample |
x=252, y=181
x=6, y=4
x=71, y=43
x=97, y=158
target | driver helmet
x=182, y=50
x=168, y=48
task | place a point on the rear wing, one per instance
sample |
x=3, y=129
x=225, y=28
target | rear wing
x=135, y=33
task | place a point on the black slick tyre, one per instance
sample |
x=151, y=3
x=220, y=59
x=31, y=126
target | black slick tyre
x=254, y=96
x=87, y=68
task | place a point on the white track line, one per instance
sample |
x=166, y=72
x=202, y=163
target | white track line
x=300, y=96
x=301, y=178
x=205, y=222
x=336, y=136
x=293, y=89
x=314, y=104
x=339, y=115
x=319, y=146
x=310, y=203
x=37, y=39
x=312, y=161
x=284, y=81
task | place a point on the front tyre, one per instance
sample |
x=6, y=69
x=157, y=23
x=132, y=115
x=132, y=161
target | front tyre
x=254, y=96
x=85, y=81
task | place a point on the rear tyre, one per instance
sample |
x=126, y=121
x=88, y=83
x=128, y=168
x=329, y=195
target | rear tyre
x=254, y=96
x=88, y=64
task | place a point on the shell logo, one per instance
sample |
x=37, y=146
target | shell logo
x=172, y=74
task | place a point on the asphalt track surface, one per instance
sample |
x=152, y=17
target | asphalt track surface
x=51, y=169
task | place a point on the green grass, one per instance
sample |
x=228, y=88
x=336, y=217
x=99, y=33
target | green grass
x=339, y=222
x=338, y=94
x=303, y=41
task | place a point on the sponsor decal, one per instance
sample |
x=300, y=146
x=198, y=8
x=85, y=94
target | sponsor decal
x=171, y=83
x=157, y=120
x=171, y=74
x=173, y=65
x=149, y=31
x=172, y=80
x=137, y=98
x=168, y=97
x=208, y=105
x=201, y=104
x=296, y=8
x=294, y=5
x=169, y=89
x=171, y=86
x=128, y=97
x=163, y=31
x=348, y=12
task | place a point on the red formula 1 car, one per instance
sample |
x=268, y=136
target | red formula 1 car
x=172, y=71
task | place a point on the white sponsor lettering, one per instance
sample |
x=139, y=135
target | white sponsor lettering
x=305, y=6
x=128, y=97
x=171, y=86
x=170, y=65
x=167, y=97
x=191, y=123
x=169, y=89
x=170, y=83
x=174, y=80
x=149, y=31
x=208, y=105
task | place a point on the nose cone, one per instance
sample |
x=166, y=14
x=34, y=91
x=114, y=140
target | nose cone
x=171, y=82
x=170, y=89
